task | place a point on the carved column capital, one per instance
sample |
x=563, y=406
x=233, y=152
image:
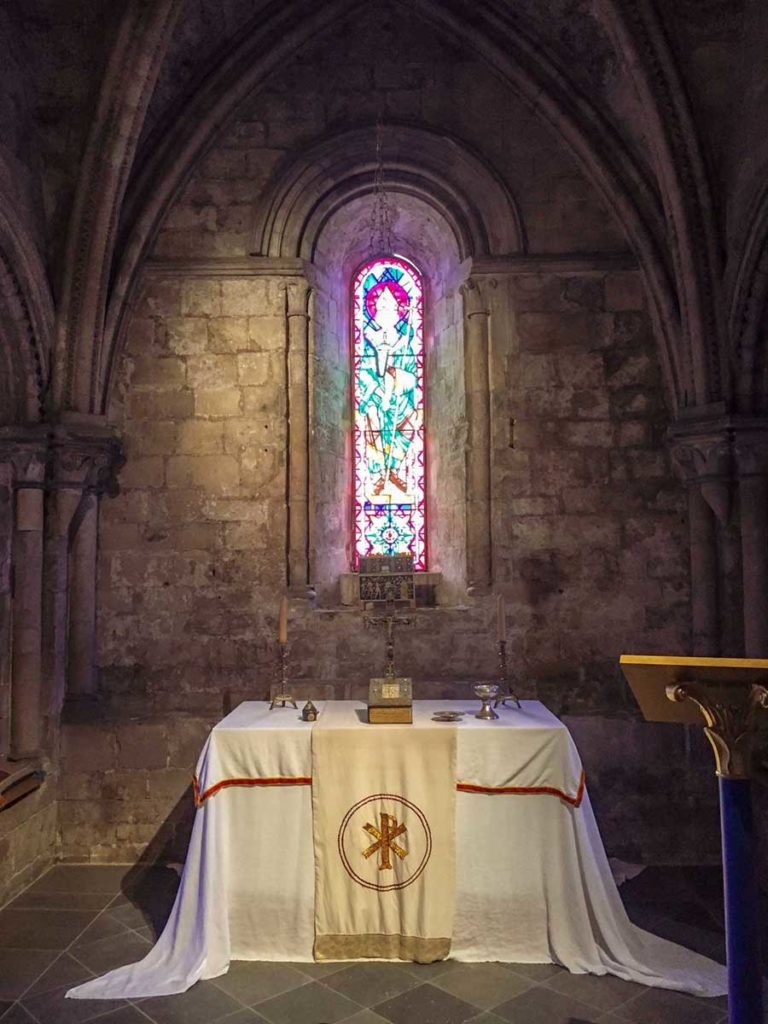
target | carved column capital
x=477, y=291
x=88, y=461
x=702, y=454
x=25, y=451
x=297, y=295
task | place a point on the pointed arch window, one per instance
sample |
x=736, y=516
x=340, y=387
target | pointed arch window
x=388, y=400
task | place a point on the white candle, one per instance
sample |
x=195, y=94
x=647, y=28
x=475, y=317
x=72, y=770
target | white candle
x=501, y=621
x=282, y=622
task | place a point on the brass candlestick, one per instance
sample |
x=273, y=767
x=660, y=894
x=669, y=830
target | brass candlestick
x=505, y=691
x=283, y=697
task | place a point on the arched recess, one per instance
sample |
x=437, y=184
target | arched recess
x=423, y=231
x=26, y=325
x=749, y=314
x=474, y=202
x=498, y=38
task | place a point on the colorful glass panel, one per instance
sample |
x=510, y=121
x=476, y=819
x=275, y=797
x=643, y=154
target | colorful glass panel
x=388, y=339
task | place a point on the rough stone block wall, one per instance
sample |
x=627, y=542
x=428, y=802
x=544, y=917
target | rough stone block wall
x=27, y=840
x=590, y=524
x=126, y=791
x=190, y=550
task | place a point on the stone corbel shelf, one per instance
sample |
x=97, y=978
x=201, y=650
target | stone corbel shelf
x=349, y=584
x=17, y=781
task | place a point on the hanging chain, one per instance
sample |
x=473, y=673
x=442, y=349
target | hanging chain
x=381, y=211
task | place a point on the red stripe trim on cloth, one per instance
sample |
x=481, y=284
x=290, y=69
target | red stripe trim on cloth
x=575, y=801
x=463, y=787
x=200, y=798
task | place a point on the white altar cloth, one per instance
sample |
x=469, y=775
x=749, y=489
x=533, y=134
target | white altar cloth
x=533, y=884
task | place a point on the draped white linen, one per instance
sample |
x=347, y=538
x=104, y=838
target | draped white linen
x=533, y=884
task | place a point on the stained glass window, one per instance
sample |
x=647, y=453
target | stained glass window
x=388, y=340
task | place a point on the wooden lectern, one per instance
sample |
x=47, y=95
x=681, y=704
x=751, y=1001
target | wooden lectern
x=728, y=697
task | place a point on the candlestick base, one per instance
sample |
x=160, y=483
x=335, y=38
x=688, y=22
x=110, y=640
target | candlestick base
x=505, y=691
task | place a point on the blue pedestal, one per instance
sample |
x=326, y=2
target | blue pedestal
x=745, y=996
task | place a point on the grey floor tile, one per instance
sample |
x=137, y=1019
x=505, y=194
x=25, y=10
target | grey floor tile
x=204, y=1003
x=536, y=972
x=129, y=914
x=427, y=1005
x=310, y=1004
x=19, y=968
x=16, y=1014
x=659, y=1006
x=368, y=984
x=53, y=1008
x=486, y=1018
x=41, y=929
x=127, y=1015
x=483, y=985
x=63, y=971
x=604, y=992
x=541, y=1005
x=428, y=972
x=102, y=927
x=252, y=982
x=112, y=952
x=365, y=1017
x=99, y=878
x=30, y=900
x=244, y=1016
x=320, y=970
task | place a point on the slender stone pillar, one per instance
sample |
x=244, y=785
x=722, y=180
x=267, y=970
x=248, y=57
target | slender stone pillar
x=24, y=450
x=751, y=449
x=701, y=455
x=704, y=591
x=81, y=674
x=478, y=443
x=85, y=460
x=297, y=335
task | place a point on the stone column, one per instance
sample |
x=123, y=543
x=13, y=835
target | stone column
x=701, y=454
x=705, y=629
x=297, y=336
x=751, y=450
x=23, y=450
x=478, y=443
x=85, y=461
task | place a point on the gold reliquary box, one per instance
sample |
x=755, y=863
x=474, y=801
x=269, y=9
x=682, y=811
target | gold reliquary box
x=390, y=701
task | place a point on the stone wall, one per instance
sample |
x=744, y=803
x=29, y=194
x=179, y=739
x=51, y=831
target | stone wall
x=27, y=840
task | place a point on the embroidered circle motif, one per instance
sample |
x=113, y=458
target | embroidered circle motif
x=384, y=842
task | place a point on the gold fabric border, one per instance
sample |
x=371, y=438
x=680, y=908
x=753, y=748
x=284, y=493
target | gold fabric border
x=381, y=947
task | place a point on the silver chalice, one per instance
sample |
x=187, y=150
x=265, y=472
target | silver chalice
x=486, y=692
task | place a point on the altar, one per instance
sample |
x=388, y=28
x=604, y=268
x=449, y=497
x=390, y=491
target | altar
x=530, y=880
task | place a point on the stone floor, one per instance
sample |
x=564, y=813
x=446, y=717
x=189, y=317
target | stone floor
x=79, y=921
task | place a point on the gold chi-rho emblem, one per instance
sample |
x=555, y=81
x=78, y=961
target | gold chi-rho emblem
x=385, y=840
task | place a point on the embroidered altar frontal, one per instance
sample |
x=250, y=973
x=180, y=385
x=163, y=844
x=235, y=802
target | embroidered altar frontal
x=383, y=810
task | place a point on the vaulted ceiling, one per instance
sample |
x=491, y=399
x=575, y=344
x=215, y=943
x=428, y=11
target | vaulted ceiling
x=105, y=111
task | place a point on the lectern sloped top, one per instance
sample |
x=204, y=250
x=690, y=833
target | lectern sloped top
x=649, y=675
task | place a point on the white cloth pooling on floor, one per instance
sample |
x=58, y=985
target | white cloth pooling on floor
x=532, y=880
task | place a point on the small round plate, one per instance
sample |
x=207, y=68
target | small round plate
x=448, y=716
